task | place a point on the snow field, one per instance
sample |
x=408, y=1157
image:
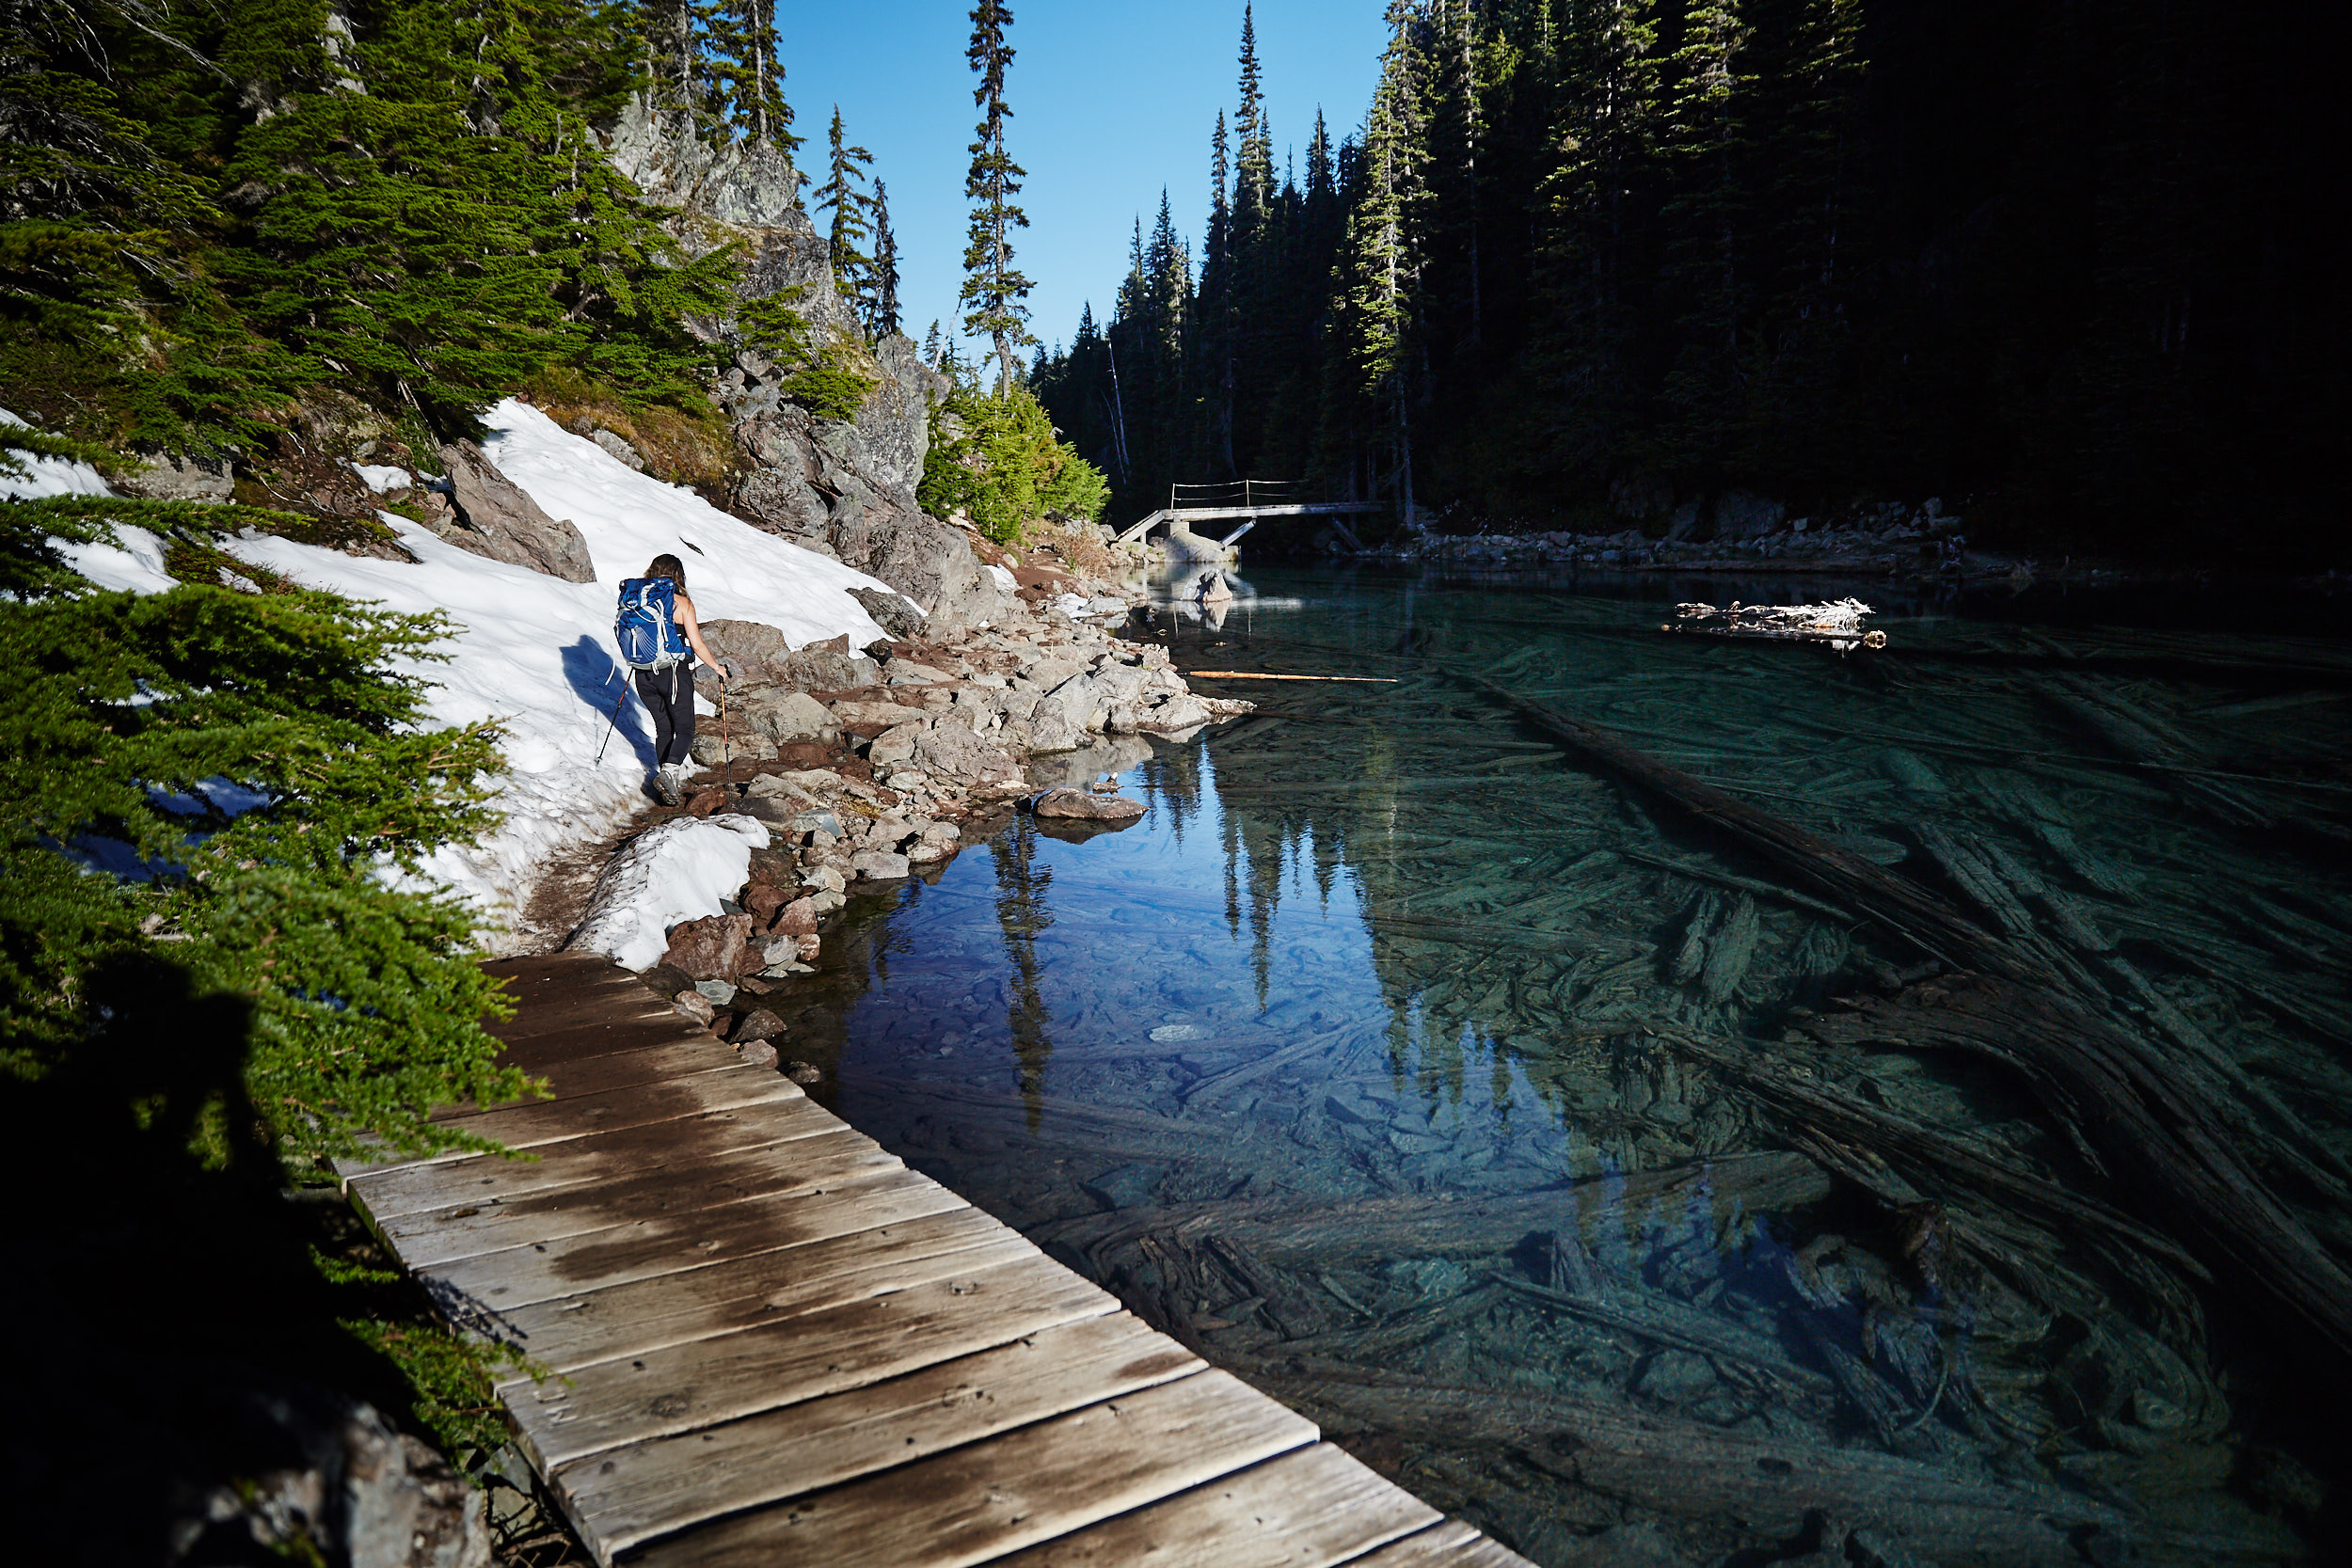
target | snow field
x=537, y=654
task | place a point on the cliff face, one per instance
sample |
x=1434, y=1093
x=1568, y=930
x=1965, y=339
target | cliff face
x=843, y=487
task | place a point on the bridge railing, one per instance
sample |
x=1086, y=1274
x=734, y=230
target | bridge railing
x=1244, y=492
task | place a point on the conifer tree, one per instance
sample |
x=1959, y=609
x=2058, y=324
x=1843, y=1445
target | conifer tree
x=882, y=317
x=851, y=209
x=741, y=37
x=993, y=289
x=1384, y=243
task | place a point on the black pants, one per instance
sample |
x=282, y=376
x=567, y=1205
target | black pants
x=669, y=696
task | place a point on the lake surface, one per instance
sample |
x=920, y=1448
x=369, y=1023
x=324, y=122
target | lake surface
x=1513, y=1128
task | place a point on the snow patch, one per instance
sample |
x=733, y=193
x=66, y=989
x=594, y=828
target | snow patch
x=384, y=478
x=677, y=871
x=733, y=572
x=134, y=561
x=530, y=651
x=46, y=476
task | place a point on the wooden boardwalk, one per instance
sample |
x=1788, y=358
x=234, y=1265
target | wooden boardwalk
x=771, y=1343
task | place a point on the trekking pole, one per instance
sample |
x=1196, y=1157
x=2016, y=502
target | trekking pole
x=616, y=723
x=726, y=753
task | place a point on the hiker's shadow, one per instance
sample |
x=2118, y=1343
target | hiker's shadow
x=600, y=680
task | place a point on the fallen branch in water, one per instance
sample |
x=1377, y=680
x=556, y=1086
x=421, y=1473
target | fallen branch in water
x=1252, y=675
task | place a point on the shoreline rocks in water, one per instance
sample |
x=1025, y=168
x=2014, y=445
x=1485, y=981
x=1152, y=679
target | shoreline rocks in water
x=841, y=769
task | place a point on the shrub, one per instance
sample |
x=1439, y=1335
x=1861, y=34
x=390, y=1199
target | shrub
x=995, y=458
x=205, y=790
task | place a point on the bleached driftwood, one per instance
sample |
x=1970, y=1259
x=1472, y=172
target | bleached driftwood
x=1837, y=623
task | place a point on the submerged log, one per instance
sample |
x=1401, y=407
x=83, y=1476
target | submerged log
x=2167, y=1142
x=1690, y=1470
x=1432, y=1225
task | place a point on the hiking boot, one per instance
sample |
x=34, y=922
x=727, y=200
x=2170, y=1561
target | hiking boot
x=665, y=785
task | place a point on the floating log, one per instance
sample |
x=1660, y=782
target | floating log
x=1837, y=623
x=1260, y=675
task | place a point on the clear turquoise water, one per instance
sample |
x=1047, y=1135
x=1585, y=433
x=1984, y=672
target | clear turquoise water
x=1363, y=1064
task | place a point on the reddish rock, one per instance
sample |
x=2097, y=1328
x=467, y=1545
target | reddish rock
x=757, y=1054
x=1078, y=804
x=809, y=946
x=796, y=919
x=717, y=947
x=761, y=900
x=704, y=802
x=758, y=1024
x=694, y=1005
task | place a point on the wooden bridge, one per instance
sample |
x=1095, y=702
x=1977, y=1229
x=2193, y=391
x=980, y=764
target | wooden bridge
x=1249, y=507
x=763, y=1340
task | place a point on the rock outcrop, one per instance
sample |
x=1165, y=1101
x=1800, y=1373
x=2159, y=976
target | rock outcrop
x=170, y=477
x=496, y=518
x=844, y=487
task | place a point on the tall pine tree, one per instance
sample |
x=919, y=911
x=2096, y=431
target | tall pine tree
x=850, y=210
x=993, y=289
x=881, y=315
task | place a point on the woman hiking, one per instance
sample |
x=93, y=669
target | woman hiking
x=661, y=638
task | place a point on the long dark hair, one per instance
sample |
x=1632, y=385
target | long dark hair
x=669, y=566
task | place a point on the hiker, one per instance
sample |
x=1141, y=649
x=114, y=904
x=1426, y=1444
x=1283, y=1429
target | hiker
x=661, y=638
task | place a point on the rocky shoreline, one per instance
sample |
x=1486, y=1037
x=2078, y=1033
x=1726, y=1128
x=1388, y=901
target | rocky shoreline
x=849, y=771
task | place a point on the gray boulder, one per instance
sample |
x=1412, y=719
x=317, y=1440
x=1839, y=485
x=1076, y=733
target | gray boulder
x=890, y=538
x=497, y=520
x=879, y=865
x=1087, y=806
x=761, y=655
x=895, y=746
x=349, y=1489
x=788, y=716
x=892, y=612
x=170, y=477
x=954, y=750
x=619, y=446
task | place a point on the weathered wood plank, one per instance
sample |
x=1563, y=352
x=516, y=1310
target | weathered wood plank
x=1449, y=1545
x=697, y=1304
x=1309, y=1508
x=596, y=1157
x=695, y=1385
x=514, y=1276
x=622, y=1007
x=554, y=1121
x=622, y=1058
x=438, y=1236
x=632, y=1494
x=976, y=1504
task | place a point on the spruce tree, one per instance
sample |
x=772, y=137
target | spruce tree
x=851, y=209
x=1385, y=246
x=882, y=317
x=748, y=79
x=993, y=289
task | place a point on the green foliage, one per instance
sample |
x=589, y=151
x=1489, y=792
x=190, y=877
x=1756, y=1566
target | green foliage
x=997, y=458
x=1594, y=247
x=223, y=207
x=452, y=1382
x=992, y=288
x=829, y=379
x=219, y=783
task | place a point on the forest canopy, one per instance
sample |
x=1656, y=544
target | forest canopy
x=2067, y=265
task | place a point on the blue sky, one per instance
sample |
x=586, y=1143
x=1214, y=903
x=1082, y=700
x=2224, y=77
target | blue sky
x=1111, y=100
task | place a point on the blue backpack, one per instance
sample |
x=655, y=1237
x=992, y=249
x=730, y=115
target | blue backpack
x=646, y=624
